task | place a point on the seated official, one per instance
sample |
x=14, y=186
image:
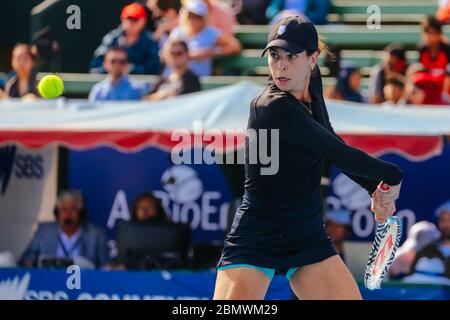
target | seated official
x=70, y=237
x=148, y=208
x=150, y=240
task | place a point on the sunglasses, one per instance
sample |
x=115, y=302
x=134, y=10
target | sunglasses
x=131, y=19
x=119, y=61
x=177, y=53
x=194, y=16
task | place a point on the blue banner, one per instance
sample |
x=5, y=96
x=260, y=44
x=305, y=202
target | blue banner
x=49, y=284
x=60, y=284
x=111, y=180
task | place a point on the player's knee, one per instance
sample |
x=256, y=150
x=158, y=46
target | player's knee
x=235, y=285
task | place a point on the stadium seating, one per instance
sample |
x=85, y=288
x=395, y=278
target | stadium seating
x=250, y=60
x=401, y=12
x=347, y=30
x=346, y=36
x=80, y=84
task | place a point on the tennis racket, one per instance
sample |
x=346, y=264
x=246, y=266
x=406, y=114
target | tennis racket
x=387, y=240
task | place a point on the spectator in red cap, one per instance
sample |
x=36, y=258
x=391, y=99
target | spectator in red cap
x=132, y=36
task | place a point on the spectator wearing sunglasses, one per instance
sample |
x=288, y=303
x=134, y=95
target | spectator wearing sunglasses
x=204, y=42
x=132, y=36
x=117, y=86
x=181, y=80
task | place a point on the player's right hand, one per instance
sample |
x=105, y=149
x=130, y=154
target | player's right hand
x=382, y=210
x=383, y=203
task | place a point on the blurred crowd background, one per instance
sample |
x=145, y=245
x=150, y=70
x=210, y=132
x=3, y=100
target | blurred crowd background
x=158, y=49
x=182, y=43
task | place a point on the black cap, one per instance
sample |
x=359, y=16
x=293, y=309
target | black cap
x=294, y=35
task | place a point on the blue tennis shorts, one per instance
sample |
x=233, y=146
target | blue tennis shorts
x=267, y=271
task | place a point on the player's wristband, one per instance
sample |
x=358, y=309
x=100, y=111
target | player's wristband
x=384, y=187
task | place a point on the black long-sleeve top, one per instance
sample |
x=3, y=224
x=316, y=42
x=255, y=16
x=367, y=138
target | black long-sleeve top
x=305, y=142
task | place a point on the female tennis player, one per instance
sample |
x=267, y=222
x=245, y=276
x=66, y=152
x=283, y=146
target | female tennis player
x=279, y=228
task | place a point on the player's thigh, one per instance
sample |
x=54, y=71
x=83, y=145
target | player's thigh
x=241, y=283
x=327, y=279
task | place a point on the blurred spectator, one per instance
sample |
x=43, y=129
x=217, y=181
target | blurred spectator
x=23, y=83
x=416, y=95
x=148, y=208
x=181, y=80
x=70, y=237
x=435, y=51
x=251, y=11
x=148, y=214
x=221, y=16
x=315, y=10
x=287, y=13
x=420, y=235
x=394, y=92
x=117, y=86
x=394, y=64
x=133, y=36
x=166, y=14
x=204, y=42
x=333, y=60
x=432, y=263
x=425, y=89
x=338, y=224
x=348, y=85
x=443, y=12
x=48, y=58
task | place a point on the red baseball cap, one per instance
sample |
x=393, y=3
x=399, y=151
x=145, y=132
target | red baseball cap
x=134, y=10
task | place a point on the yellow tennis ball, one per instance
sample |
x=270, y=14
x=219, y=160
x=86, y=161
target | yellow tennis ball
x=51, y=87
